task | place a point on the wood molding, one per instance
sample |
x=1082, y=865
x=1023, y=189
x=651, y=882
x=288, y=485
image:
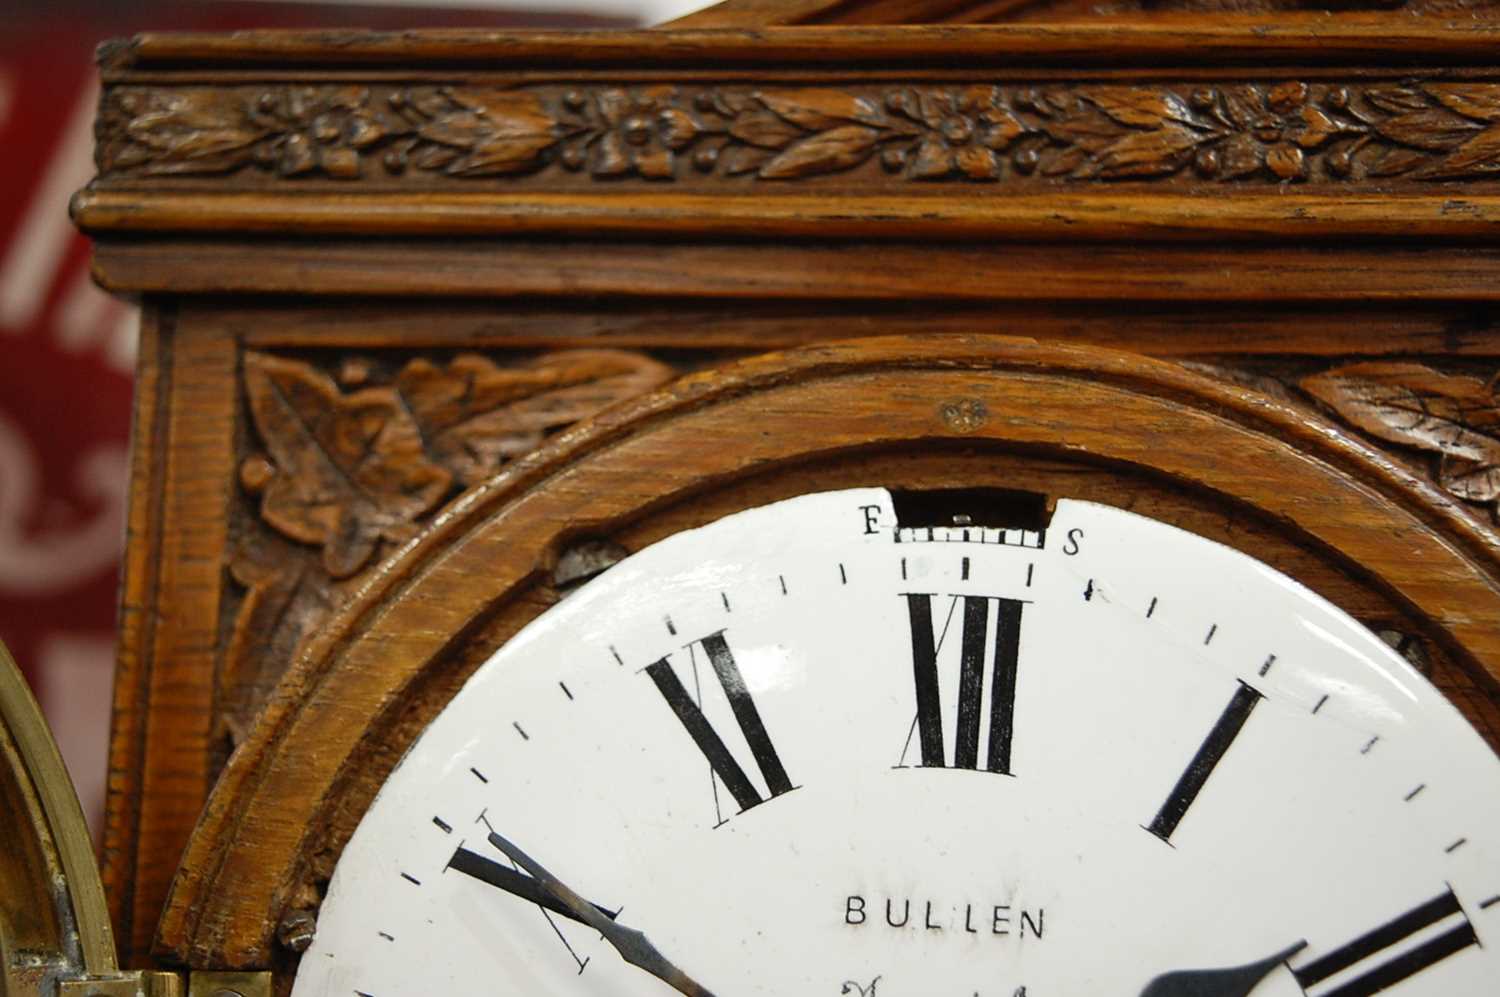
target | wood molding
x=1093, y=215
x=172, y=586
x=1344, y=129
x=283, y=807
x=1211, y=40
x=1260, y=274
x=753, y=13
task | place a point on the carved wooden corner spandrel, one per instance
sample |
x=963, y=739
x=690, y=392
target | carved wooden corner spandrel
x=1453, y=418
x=348, y=465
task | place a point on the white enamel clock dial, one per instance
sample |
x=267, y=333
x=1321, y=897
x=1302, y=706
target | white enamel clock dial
x=809, y=752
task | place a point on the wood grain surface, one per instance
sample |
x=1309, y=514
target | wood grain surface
x=1347, y=273
x=159, y=764
x=1311, y=38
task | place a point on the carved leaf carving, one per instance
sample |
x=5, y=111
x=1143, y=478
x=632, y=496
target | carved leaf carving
x=1395, y=100
x=821, y=109
x=1480, y=101
x=1142, y=107
x=1395, y=161
x=350, y=463
x=763, y=129
x=186, y=132
x=350, y=470
x=823, y=152
x=742, y=159
x=1149, y=153
x=498, y=132
x=475, y=415
x=1434, y=129
x=1474, y=481
x=1480, y=154
x=285, y=597
x=1454, y=417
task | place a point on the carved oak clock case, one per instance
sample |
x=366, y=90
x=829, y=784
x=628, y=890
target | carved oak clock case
x=884, y=491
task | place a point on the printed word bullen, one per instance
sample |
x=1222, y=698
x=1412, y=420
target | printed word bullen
x=927, y=915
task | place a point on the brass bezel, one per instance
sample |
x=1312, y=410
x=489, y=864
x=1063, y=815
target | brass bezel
x=48, y=875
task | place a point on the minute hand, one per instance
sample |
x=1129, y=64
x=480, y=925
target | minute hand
x=632, y=945
x=1236, y=981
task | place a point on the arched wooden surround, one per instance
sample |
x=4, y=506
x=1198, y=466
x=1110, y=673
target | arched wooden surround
x=1300, y=494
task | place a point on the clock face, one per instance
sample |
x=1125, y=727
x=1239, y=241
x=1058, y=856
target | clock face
x=813, y=750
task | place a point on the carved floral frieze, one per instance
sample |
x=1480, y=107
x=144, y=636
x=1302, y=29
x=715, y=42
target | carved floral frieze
x=1271, y=132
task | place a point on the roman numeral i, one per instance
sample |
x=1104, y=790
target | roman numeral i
x=698, y=727
x=1204, y=761
x=978, y=643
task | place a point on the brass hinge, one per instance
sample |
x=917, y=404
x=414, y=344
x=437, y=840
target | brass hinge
x=148, y=983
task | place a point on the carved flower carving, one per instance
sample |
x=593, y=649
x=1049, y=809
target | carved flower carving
x=317, y=130
x=963, y=131
x=639, y=132
x=1272, y=129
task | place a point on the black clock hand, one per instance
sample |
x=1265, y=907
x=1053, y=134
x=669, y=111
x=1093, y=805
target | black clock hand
x=517, y=884
x=632, y=945
x=1236, y=981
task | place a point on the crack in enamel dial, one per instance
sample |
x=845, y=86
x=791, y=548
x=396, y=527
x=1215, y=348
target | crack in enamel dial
x=837, y=746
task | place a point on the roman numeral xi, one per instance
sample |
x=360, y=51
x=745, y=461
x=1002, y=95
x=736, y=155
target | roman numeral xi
x=978, y=644
x=708, y=740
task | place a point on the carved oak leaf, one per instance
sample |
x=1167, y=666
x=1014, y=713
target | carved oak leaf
x=475, y=415
x=1454, y=417
x=350, y=470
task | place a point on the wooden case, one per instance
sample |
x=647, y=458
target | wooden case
x=1237, y=272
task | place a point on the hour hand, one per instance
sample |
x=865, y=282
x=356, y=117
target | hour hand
x=632, y=945
x=1234, y=981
